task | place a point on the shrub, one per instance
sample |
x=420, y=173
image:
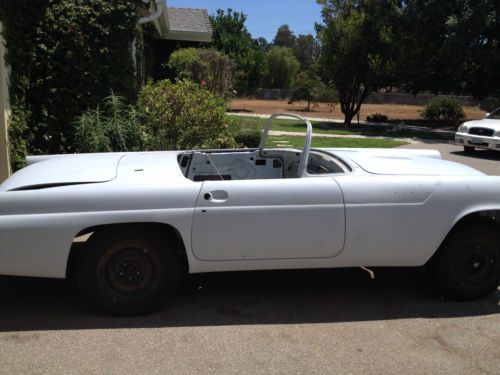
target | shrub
x=64, y=56
x=443, y=108
x=17, y=136
x=376, y=117
x=210, y=68
x=248, y=138
x=183, y=115
x=114, y=126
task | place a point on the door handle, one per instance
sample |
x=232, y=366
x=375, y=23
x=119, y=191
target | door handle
x=216, y=196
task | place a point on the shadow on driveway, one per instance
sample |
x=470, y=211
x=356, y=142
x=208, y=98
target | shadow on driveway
x=273, y=297
x=479, y=154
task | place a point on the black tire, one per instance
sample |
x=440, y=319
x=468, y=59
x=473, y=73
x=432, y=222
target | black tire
x=469, y=149
x=467, y=266
x=128, y=272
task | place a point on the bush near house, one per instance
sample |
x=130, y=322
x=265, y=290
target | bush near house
x=112, y=126
x=443, y=108
x=64, y=57
x=181, y=116
x=211, y=68
x=168, y=116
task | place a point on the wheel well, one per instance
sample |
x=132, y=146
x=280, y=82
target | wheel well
x=491, y=217
x=486, y=217
x=162, y=231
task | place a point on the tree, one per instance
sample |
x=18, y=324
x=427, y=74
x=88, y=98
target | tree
x=210, y=68
x=451, y=46
x=307, y=85
x=231, y=37
x=358, y=48
x=282, y=67
x=284, y=37
x=306, y=50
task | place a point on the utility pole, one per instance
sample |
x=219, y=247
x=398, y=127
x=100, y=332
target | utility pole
x=4, y=114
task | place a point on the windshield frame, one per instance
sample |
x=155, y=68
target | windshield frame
x=495, y=115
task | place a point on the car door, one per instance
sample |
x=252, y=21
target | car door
x=269, y=219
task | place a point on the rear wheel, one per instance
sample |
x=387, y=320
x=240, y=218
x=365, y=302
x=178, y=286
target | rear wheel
x=467, y=265
x=127, y=272
x=469, y=149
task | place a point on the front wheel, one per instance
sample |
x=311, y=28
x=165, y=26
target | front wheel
x=467, y=266
x=127, y=272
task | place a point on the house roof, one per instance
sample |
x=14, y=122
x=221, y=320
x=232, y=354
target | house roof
x=189, y=20
x=184, y=24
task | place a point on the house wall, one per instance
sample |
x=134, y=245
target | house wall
x=4, y=113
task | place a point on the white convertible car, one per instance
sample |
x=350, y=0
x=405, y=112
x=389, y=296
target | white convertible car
x=127, y=225
x=483, y=134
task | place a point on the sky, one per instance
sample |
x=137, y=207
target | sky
x=265, y=16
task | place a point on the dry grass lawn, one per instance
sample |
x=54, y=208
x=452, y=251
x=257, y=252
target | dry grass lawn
x=392, y=111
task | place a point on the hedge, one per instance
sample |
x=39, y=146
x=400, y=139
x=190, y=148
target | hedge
x=65, y=57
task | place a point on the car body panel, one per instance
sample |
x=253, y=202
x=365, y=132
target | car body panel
x=269, y=219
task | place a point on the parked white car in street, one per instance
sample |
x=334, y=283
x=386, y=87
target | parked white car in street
x=127, y=225
x=484, y=134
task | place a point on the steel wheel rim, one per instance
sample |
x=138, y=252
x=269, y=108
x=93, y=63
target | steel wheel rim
x=476, y=264
x=128, y=270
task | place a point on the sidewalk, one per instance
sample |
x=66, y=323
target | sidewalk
x=279, y=133
x=361, y=122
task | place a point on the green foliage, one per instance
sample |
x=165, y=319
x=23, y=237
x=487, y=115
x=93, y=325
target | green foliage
x=284, y=37
x=182, y=115
x=376, y=117
x=359, y=41
x=306, y=49
x=210, y=68
x=443, y=108
x=450, y=46
x=248, y=138
x=17, y=142
x=114, y=126
x=64, y=58
x=282, y=67
x=231, y=37
x=307, y=85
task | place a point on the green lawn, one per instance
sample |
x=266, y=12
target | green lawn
x=247, y=122
x=322, y=142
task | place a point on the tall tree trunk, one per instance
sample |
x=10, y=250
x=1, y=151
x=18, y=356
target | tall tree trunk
x=351, y=100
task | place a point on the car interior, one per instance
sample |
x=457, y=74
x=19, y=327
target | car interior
x=250, y=164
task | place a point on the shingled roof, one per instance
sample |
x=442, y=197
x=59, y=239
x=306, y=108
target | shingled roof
x=189, y=20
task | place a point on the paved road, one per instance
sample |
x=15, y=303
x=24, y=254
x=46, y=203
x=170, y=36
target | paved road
x=486, y=161
x=287, y=322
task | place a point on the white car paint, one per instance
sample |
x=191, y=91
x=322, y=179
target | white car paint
x=383, y=208
x=473, y=133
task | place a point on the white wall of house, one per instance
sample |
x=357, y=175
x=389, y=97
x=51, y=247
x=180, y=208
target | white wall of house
x=4, y=114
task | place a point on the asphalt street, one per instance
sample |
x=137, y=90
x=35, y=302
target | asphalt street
x=286, y=322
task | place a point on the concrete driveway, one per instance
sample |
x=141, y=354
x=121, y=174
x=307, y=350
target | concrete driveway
x=287, y=322
x=484, y=160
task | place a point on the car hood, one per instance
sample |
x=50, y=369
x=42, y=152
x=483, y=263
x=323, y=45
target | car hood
x=60, y=170
x=405, y=162
x=485, y=123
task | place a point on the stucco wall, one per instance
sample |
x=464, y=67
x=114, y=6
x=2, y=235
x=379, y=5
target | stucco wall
x=4, y=112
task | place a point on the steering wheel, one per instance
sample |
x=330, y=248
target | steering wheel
x=307, y=144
